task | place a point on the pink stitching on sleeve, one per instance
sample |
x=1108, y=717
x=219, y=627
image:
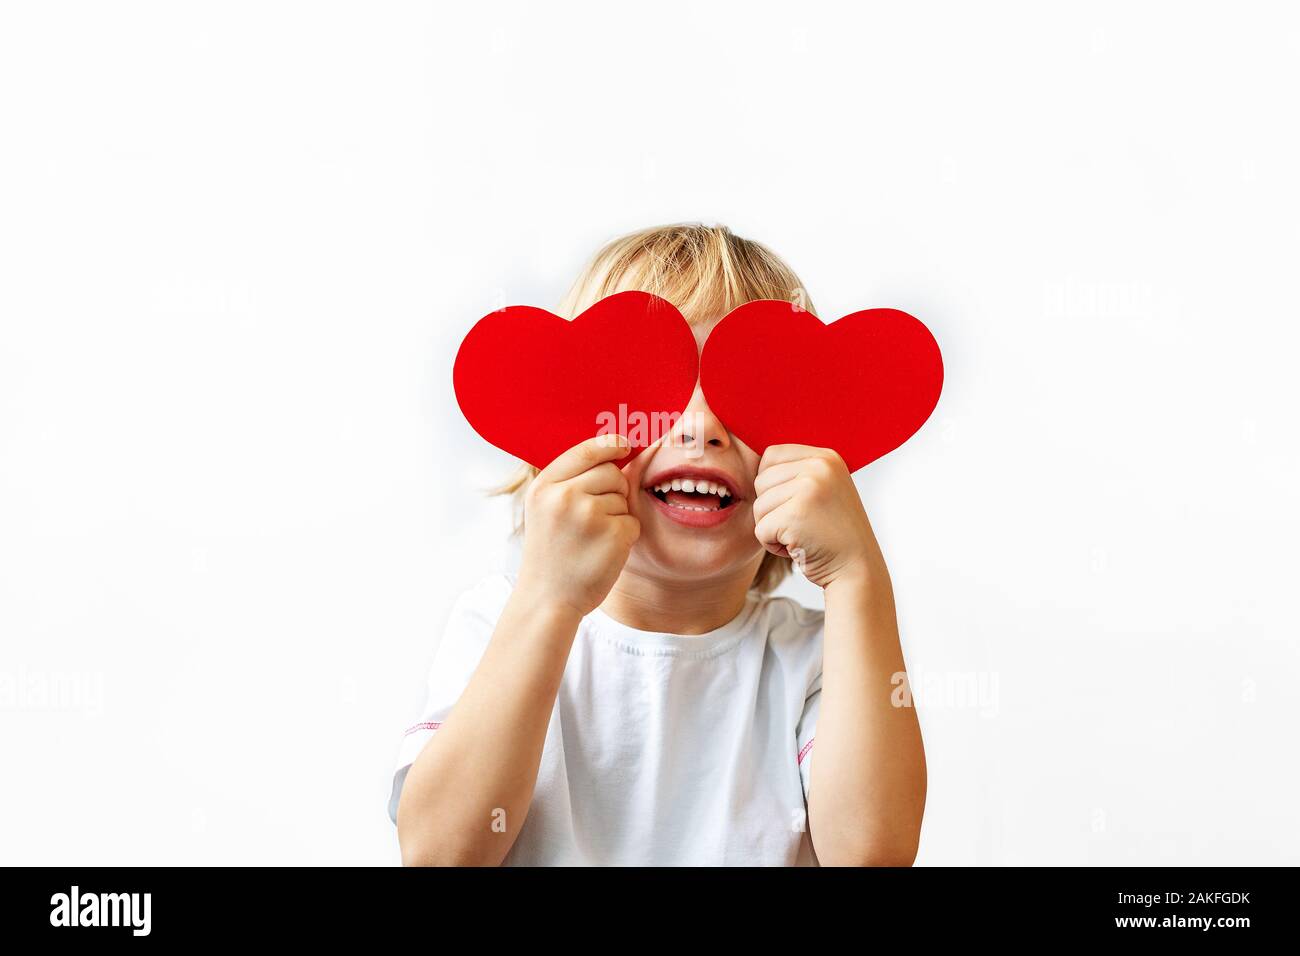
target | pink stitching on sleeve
x=426, y=725
x=806, y=747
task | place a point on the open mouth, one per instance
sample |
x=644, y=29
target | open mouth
x=694, y=494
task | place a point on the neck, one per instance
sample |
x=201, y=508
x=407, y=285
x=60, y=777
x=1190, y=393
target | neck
x=649, y=603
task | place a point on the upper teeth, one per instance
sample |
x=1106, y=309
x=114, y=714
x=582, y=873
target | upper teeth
x=697, y=485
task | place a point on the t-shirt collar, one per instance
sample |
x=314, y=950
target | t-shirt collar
x=663, y=644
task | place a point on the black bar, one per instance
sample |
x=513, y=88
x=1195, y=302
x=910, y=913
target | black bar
x=215, y=905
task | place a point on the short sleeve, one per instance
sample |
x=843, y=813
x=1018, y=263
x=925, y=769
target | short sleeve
x=465, y=637
x=806, y=733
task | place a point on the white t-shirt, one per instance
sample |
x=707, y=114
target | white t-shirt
x=662, y=749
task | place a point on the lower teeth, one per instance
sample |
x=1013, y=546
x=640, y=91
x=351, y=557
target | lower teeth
x=664, y=498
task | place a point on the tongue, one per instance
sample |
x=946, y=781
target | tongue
x=691, y=500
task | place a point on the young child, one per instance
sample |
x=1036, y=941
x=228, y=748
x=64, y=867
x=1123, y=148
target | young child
x=633, y=695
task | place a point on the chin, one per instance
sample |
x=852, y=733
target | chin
x=684, y=558
x=687, y=540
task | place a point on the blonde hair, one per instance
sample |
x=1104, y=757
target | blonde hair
x=705, y=271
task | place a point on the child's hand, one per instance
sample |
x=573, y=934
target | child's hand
x=577, y=529
x=808, y=508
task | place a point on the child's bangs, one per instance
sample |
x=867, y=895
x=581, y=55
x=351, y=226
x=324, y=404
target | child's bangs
x=705, y=271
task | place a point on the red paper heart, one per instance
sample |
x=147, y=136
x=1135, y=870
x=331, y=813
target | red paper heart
x=534, y=384
x=863, y=385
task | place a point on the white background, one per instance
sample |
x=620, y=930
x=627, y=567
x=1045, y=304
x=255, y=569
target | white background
x=240, y=242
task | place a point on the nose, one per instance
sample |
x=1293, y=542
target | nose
x=699, y=427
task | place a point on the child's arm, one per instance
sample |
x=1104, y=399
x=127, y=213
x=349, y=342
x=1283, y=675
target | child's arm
x=466, y=796
x=866, y=793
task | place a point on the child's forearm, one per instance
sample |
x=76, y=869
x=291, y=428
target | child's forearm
x=467, y=794
x=866, y=793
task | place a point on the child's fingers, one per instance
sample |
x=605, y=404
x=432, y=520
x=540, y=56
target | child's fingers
x=768, y=478
x=612, y=503
x=629, y=527
x=584, y=455
x=773, y=498
x=775, y=531
x=604, y=478
x=777, y=454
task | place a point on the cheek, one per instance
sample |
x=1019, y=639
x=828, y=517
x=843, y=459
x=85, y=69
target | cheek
x=635, y=468
x=634, y=471
x=748, y=460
